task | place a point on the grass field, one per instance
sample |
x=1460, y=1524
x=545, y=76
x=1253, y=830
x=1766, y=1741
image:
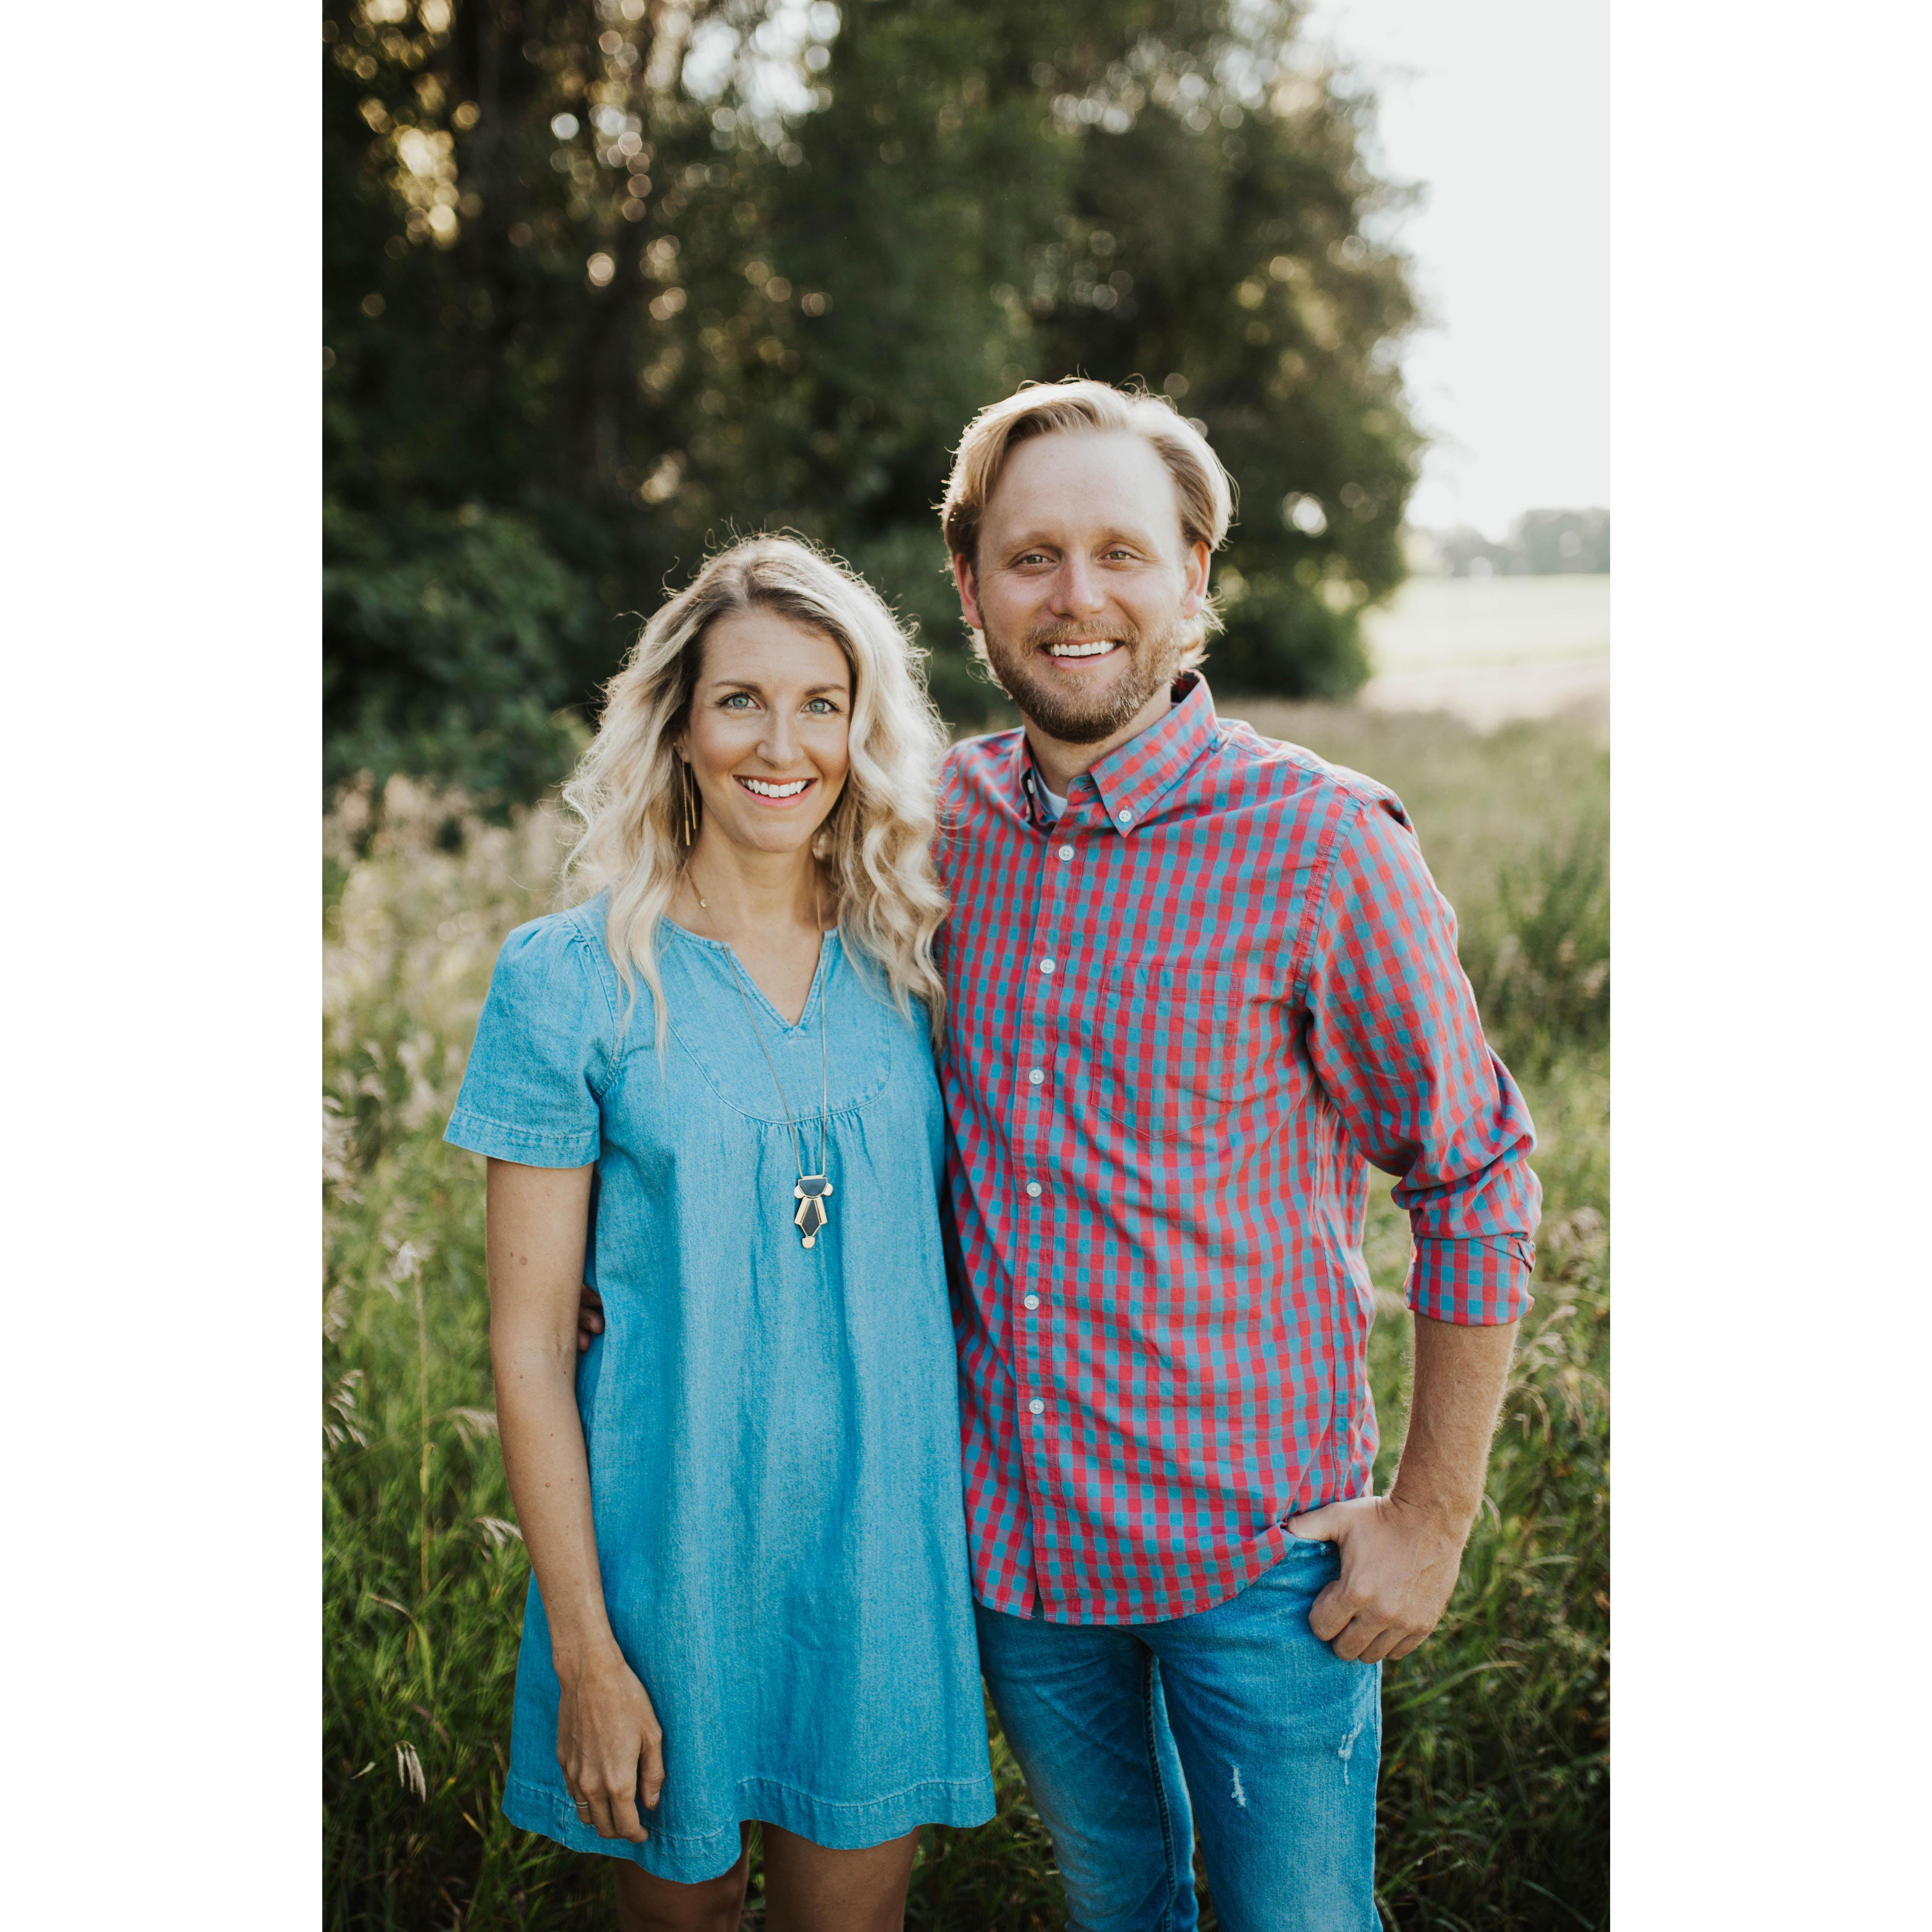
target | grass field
x=1452, y=623
x=1494, y=1805
x=1491, y=649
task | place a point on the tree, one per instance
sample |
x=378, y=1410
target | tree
x=610, y=279
x=1541, y=543
x=1550, y=543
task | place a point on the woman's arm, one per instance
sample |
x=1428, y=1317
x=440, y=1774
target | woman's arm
x=608, y=1742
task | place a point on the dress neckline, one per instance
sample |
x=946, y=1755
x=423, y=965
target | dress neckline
x=826, y=941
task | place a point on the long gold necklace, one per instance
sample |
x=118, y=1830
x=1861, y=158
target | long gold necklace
x=812, y=1190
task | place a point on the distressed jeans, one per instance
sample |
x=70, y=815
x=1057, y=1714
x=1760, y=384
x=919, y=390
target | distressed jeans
x=1237, y=1722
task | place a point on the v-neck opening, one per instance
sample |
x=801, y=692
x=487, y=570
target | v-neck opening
x=814, y=991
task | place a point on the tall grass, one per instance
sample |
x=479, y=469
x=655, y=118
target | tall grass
x=1494, y=1799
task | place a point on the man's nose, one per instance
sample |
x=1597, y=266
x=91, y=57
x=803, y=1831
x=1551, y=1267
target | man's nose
x=1077, y=591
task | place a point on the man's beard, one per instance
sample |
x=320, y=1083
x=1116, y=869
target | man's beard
x=1152, y=664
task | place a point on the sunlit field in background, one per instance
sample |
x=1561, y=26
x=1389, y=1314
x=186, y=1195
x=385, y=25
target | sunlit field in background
x=1492, y=649
x=1494, y=1793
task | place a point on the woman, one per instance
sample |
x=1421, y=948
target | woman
x=709, y=1091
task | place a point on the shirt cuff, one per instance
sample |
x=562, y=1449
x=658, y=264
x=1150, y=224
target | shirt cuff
x=528, y=1147
x=1476, y=1281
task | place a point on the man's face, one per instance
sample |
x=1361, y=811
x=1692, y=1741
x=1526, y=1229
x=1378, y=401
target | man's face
x=1083, y=585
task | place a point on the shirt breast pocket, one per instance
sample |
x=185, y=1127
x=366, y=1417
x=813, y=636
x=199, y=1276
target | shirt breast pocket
x=1171, y=1051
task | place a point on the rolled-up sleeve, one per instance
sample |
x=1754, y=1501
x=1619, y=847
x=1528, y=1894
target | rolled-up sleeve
x=542, y=1054
x=1394, y=1037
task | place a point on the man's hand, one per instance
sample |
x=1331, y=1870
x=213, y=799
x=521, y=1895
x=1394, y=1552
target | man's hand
x=1400, y=1552
x=590, y=1316
x=1399, y=1564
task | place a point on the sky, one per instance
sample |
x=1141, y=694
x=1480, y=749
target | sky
x=1500, y=108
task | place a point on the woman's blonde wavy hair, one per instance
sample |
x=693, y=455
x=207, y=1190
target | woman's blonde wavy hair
x=877, y=841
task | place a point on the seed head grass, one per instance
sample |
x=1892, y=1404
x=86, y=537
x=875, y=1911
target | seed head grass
x=1494, y=1795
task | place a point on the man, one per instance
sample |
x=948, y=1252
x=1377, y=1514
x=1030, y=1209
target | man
x=1198, y=981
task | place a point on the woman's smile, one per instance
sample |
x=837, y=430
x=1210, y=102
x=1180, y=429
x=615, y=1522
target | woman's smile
x=774, y=791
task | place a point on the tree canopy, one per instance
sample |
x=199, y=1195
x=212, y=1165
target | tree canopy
x=608, y=280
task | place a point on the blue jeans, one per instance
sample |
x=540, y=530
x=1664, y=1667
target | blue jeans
x=1238, y=1721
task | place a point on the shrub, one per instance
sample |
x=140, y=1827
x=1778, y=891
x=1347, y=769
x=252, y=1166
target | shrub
x=452, y=647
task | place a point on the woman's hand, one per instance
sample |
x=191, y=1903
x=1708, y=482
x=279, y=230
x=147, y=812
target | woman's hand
x=610, y=1745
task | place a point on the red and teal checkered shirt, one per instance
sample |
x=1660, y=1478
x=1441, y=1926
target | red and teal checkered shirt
x=1183, y=1019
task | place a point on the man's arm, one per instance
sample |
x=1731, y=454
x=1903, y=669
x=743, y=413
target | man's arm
x=1395, y=1039
x=1401, y=1553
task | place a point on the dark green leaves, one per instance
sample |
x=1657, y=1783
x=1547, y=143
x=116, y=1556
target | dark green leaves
x=627, y=306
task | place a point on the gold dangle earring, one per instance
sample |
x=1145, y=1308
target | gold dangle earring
x=690, y=819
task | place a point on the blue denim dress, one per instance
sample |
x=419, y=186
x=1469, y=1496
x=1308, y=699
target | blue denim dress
x=772, y=1431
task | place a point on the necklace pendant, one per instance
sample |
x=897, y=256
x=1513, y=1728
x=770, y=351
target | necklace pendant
x=810, y=1193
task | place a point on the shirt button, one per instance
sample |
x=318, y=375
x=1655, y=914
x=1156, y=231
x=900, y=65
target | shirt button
x=1033, y=1189
x=1033, y=1301
x=1046, y=965
x=1126, y=818
x=1067, y=851
x=1037, y=1407
x=1036, y=1076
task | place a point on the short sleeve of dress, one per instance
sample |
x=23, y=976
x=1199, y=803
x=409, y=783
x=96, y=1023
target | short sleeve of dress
x=544, y=1049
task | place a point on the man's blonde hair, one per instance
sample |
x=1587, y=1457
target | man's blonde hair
x=1202, y=488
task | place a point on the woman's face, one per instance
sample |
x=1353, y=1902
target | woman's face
x=769, y=739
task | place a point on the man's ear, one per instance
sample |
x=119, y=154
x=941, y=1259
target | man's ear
x=1196, y=572
x=969, y=590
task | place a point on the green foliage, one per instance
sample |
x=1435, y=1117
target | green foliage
x=1541, y=543
x=912, y=560
x=1494, y=1802
x=1494, y=1796
x=1542, y=971
x=1552, y=542
x=1515, y=826
x=1279, y=639
x=627, y=286
x=449, y=635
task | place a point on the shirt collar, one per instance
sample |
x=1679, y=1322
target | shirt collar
x=1131, y=782
x=1033, y=787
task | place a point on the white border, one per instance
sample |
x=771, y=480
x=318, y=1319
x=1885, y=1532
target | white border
x=162, y=779
x=1771, y=1075
x=160, y=425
